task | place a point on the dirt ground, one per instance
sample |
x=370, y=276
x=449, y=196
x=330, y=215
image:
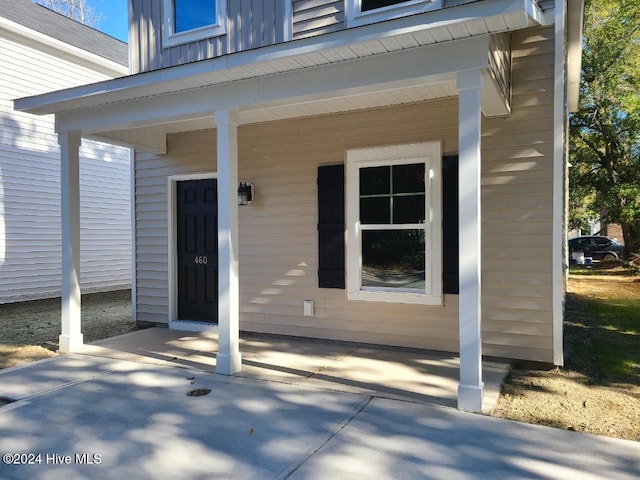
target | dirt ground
x=566, y=397
x=30, y=330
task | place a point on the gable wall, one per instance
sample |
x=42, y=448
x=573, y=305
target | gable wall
x=278, y=232
x=30, y=244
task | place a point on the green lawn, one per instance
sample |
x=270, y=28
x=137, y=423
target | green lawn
x=605, y=338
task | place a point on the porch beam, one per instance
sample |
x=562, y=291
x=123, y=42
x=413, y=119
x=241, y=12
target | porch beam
x=71, y=337
x=229, y=360
x=402, y=69
x=471, y=387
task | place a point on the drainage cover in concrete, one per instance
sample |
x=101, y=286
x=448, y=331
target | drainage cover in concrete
x=199, y=392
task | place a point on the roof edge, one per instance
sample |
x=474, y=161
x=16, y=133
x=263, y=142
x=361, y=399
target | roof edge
x=108, y=66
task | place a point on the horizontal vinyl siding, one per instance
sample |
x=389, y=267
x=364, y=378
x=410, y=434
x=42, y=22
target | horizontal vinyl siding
x=30, y=230
x=517, y=169
x=278, y=231
x=317, y=17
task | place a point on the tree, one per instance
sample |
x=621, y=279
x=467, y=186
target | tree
x=76, y=9
x=605, y=131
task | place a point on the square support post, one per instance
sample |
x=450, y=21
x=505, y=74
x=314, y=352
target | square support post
x=229, y=360
x=71, y=337
x=471, y=387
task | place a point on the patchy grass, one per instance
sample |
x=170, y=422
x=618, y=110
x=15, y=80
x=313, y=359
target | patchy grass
x=598, y=390
x=30, y=330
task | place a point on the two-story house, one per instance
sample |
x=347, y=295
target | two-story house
x=400, y=167
x=42, y=51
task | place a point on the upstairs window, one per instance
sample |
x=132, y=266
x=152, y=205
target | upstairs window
x=192, y=20
x=366, y=5
x=363, y=12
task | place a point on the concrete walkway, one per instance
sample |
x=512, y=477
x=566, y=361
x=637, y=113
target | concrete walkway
x=142, y=417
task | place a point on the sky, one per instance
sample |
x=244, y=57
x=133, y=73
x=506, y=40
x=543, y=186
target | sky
x=114, y=17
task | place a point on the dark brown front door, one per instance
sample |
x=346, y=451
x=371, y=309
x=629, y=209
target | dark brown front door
x=197, y=245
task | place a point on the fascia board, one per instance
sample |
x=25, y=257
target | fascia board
x=166, y=80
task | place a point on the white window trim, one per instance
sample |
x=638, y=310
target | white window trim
x=356, y=17
x=171, y=38
x=431, y=155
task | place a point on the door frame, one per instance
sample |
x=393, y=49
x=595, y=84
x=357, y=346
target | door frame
x=172, y=227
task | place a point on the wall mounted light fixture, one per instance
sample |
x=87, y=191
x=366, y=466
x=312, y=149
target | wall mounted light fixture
x=245, y=193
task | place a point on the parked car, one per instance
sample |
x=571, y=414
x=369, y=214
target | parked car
x=597, y=247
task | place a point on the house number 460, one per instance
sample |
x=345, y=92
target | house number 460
x=201, y=260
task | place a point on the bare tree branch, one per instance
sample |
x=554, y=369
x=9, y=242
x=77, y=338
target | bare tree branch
x=75, y=9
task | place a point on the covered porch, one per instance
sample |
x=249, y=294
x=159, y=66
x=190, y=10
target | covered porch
x=349, y=71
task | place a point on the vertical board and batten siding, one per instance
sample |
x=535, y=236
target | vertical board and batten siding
x=30, y=231
x=278, y=231
x=250, y=23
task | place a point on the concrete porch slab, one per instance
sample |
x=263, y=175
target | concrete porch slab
x=406, y=374
x=115, y=418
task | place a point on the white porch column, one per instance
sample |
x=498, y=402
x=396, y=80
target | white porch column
x=229, y=360
x=471, y=387
x=71, y=337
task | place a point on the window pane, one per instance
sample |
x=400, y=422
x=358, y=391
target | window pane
x=375, y=210
x=393, y=259
x=373, y=4
x=192, y=14
x=408, y=178
x=408, y=209
x=375, y=180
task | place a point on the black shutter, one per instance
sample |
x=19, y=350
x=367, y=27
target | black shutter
x=331, y=226
x=450, y=231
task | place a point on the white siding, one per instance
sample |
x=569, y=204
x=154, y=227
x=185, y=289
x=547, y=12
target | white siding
x=30, y=244
x=278, y=231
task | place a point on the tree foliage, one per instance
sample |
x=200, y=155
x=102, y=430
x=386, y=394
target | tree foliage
x=79, y=10
x=605, y=132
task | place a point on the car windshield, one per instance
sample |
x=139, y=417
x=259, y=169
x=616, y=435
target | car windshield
x=615, y=242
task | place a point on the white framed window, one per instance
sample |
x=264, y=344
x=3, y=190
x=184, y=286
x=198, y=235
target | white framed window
x=364, y=12
x=394, y=224
x=192, y=20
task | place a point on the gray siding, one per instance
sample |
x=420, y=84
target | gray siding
x=316, y=17
x=251, y=24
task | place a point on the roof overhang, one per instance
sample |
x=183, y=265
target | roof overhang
x=398, y=55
